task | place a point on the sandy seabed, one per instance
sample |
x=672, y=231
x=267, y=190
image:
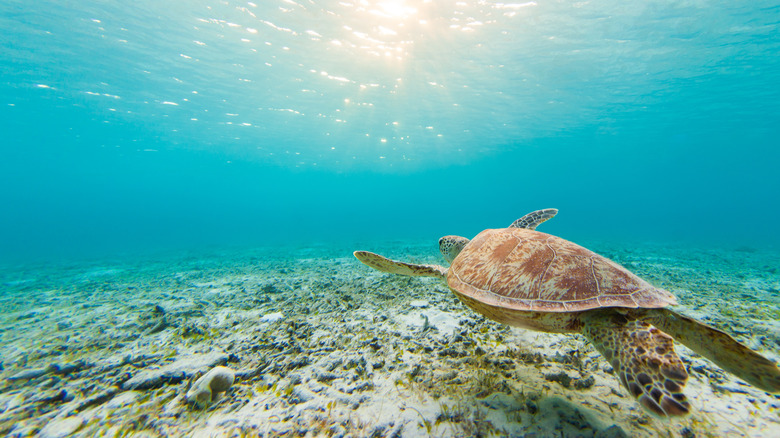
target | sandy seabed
x=324, y=346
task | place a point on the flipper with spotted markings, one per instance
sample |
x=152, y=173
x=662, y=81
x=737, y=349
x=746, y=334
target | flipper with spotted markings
x=644, y=361
x=533, y=219
x=719, y=347
x=381, y=263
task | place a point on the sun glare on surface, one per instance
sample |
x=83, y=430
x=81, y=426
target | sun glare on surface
x=396, y=8
x=382, y=28
x=353, y=70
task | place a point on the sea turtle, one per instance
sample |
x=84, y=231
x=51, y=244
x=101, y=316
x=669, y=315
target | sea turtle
x=524, y=278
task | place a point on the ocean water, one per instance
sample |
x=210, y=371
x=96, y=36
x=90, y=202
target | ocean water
x=170, y=124
x=143, y=142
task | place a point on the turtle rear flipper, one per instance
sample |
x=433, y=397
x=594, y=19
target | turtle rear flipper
x=720, y=348
x=384, y=264
x=644, y=360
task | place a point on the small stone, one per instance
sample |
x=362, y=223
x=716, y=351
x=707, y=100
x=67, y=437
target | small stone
x=326, y=376
x=699, y=366
x=334, y=364
x=29, y=374
x=54, y=396
x=175, y=372
x=295, y=379
x=585, y=383
x=302, y=395
x=205, y=390
x=68, y=368
x=124, y=399
x=419, y=303
x=560, y=377
x=730, y=388
x=272, y=317
x=159, y=326
x=93, y=400
x=61, y=427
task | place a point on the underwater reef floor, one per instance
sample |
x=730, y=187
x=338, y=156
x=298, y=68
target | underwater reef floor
x=325, y=346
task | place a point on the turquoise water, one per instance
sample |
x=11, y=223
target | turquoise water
x=181, y=177
x=135, y=126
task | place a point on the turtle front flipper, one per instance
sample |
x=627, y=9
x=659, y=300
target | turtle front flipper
x=534, y=218
x=644, y=360
x=720, y=348
x=384, y=264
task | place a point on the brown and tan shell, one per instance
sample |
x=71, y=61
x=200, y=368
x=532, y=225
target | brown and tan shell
x=525, y=270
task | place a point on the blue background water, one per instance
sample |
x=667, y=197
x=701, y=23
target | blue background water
x=143, y=125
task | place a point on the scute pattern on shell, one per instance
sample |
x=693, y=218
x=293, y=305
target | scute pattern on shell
x=527, y=270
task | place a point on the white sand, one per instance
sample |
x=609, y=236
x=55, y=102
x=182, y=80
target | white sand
x=325, y=346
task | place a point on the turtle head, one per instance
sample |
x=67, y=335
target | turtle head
x=450, y=246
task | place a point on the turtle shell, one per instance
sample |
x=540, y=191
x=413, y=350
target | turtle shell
x=521, y=269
